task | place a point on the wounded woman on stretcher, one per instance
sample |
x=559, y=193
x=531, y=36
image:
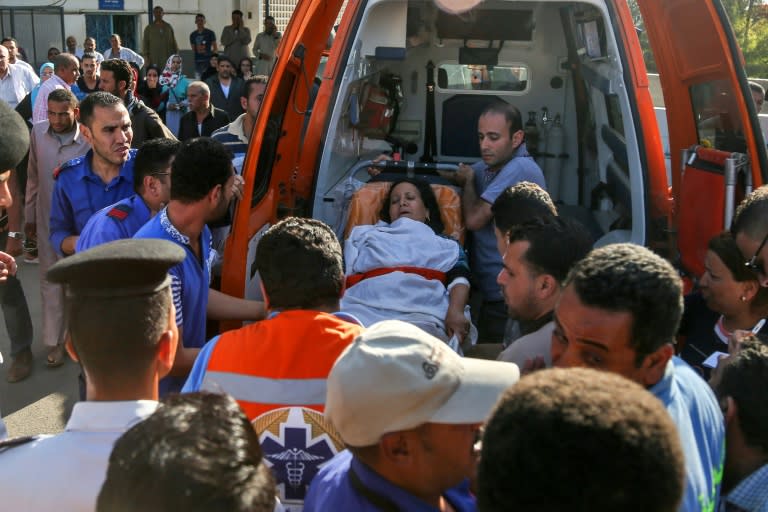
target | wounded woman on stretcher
x=404, y=268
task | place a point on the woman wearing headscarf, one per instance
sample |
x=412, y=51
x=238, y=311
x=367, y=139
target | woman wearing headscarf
x=175, y=88
x=151, y=92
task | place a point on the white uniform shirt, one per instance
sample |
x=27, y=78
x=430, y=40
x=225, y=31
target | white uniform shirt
x=65, y=472
x=127, y=55
x=16, y=84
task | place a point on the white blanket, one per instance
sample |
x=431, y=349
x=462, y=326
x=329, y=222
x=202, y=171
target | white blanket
x=399, y=295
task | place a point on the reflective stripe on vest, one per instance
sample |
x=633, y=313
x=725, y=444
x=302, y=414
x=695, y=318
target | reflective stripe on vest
x=248, y=388
x=280, y=362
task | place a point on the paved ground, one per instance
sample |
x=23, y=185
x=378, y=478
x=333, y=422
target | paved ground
x=42, y=403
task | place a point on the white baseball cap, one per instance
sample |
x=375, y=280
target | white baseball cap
x=395, y=376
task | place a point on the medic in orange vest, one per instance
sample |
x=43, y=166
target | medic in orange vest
x=276, y=369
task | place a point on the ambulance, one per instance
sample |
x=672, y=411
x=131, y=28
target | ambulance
x=355, y=79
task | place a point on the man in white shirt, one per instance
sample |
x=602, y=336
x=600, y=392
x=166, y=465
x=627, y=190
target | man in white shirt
x=122, y=330
x=13, y=54
x=117, y=51
x=15, y=81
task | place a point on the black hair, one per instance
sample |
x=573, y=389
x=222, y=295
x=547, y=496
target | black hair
x=224, y=58
x=96, y=99
x=63, y=96
x=197, y=452
x=200, y=165
x=300, y=264
x=630, y=278
x=555, y=245
x=751, y=217
x=117, y=348
x=252, y=82
x=427, y=197
x=520, y=203
x=121, y=70
x=152, y=157
x=510, y=113
x=724, y=246
x=554, y=440
x=744, y=378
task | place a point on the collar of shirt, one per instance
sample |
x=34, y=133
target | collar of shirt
x=86, y=172
x=521, y=151
x=752, y=493
x=109, y=416
x=399, y=497
x=70, y=137
x=664, y=389
x=177, y=235
x=236, y=128
x=527, y=327
x=56, y=79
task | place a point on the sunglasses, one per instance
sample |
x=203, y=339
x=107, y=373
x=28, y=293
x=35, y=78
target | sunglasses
x=752, y=263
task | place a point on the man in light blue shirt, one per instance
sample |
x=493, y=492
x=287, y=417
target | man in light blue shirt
x=619, y=312
x=505, y=162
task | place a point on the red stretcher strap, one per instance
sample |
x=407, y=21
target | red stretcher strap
x=713, y=156
x=426, y=273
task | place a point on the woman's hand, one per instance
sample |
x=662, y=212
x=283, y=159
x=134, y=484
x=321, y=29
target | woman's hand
x=456, y=323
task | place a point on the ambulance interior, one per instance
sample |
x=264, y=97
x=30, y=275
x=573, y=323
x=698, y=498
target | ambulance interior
x=501, y=50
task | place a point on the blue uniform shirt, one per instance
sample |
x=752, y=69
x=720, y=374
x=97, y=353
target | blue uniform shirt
x=696, y=413
x=78, y=193
x=332, y=489
x=115, y=222
x=485, y=257
x=190, y=280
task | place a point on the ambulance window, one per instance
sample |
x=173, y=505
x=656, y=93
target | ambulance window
x=716, y=115
x=479, y=77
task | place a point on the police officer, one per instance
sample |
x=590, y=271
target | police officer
x=152, y=183
x=102, y=177
x=13, y=146
x=122, y=330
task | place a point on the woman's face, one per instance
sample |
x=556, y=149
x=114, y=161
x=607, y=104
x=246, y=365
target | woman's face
x=176, y=64
x=245, y=66
x=47, y=73
x=152, y=77
x=405, y=201
x=214, y=62
x=718, y=287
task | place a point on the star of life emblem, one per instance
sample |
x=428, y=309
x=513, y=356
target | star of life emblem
x=296, y=442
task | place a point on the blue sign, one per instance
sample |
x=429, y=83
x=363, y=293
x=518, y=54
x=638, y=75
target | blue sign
x=113, y=5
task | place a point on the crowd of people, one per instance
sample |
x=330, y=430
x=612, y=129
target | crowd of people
x=527, y=372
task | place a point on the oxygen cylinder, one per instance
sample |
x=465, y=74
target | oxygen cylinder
x=532, y=134
x=553, y=162
x=543, y=134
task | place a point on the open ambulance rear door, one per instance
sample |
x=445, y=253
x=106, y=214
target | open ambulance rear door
x=717, y=148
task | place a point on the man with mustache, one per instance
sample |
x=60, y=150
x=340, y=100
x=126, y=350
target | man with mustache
x=505, y=162
x=101, y=177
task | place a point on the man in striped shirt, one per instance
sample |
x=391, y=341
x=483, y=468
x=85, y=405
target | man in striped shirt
x=235, y=135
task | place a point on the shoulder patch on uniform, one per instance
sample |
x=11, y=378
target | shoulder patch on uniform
x=13, y=442
x=120, y=211
x=67, y=165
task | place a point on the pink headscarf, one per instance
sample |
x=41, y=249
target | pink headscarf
x=168, y=77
